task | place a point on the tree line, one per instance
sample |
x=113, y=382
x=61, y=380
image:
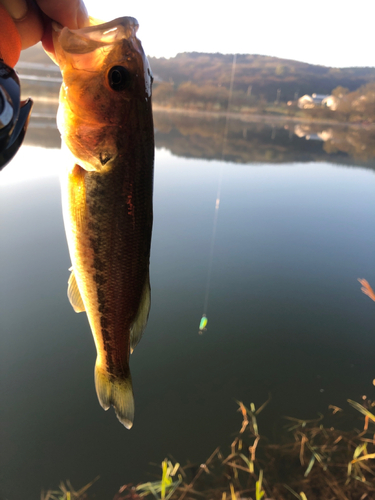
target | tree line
x=203, y=77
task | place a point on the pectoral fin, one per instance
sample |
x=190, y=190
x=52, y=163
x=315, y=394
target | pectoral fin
x=140, y=321
x=74, y=294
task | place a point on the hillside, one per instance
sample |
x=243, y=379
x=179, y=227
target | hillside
x=260, y=76
x=256, y=76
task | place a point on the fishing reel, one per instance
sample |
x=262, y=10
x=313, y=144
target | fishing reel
x=14, y=114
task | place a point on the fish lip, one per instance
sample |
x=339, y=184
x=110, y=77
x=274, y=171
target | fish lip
x=130, y=21
x=96, y=36
x=90, y=38
x=126, y=22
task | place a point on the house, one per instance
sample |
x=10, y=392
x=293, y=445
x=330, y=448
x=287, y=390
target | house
x=309, y=102
x=331, y=102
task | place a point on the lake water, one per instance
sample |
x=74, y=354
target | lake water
x=286, y=317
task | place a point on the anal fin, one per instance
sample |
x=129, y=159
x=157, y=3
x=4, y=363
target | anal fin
x=74, y=294
x=137, y=328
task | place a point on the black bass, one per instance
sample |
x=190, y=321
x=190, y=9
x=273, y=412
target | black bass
x=105, y=120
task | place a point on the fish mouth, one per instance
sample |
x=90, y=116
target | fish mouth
x=85, y=40
x=78, y=47
x=107, y=81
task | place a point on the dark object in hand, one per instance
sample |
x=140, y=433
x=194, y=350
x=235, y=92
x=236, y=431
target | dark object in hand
x=14, y=114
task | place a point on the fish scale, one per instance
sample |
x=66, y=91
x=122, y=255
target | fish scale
x=107, y=194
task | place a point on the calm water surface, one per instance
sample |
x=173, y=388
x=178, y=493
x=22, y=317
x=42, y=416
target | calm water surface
x=285, y=316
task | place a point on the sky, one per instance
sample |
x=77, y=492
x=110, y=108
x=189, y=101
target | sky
x=327, y=32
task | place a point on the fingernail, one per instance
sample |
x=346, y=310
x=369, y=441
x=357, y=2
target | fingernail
x=17, y=9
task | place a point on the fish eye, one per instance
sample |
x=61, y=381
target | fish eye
x=119, y=78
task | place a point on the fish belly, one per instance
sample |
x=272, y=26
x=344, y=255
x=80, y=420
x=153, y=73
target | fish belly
x=108, y=220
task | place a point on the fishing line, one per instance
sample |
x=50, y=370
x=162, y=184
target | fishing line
x=204, y=320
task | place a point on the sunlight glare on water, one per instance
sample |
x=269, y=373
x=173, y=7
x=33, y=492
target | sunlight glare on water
x=31, y=163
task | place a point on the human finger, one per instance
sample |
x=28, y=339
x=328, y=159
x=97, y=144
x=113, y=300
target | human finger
x=27, y=19
x=70, y=13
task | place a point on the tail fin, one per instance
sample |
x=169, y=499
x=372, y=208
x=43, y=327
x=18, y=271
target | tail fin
x=117, y=392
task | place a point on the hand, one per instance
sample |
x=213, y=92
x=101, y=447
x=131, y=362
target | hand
x=33, y=18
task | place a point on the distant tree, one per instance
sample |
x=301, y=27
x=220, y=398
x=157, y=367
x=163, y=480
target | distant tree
x=359, y=105
x=281, y=69
x=340, y=91
x=163, y=92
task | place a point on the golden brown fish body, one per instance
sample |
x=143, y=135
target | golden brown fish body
x=105, y=119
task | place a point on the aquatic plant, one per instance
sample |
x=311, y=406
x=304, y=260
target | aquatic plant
x=318, y=463
x=366, y=288
x=67, y=492
x=313, y=462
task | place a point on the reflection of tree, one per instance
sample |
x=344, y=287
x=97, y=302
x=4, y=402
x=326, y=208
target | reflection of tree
x=247, y=142
x=357, y=142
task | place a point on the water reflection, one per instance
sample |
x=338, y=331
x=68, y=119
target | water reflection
x=250, y=140
x=263, y=140
x=286, y=313
x=32, y=163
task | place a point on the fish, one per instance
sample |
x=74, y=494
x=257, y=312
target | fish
x=106, y=125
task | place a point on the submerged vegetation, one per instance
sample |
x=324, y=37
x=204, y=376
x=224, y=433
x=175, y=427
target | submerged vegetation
x=313, y=461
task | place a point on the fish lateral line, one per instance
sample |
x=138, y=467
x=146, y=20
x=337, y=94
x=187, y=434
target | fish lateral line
x=107, y=193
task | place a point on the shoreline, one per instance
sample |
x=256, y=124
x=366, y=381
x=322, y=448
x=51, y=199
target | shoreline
x=244, y=117
x=257, y=118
